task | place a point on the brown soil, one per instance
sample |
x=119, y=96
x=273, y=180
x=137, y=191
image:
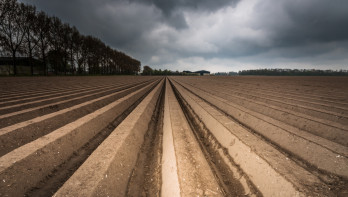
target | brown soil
x=146, y=176
x=23, y=135
x=257, y=120
x=201, y=136
x=63, y=172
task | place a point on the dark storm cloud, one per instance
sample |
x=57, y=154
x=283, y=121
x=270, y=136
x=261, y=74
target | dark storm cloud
x=226, y=32
x=170, y=6
x=303, y=28
x=172, y=9
x=303, y=21
x=119, y=24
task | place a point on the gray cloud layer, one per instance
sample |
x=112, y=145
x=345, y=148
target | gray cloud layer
x=218, y=35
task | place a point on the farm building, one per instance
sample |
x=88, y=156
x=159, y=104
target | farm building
x=203, y=72
x=200, y=72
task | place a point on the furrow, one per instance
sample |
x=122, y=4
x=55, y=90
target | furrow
x=255, y=157
x=324, y=158
x=19, y=134
x=20, y=168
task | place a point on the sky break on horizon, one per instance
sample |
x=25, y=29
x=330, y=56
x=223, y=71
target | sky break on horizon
x=219, y=36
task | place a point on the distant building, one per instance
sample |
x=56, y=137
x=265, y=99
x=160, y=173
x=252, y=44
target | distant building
x=203, y=72
x=200, y=72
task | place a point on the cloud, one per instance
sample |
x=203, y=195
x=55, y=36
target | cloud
x=297, y=22
x=169, y=6
x=213, y=35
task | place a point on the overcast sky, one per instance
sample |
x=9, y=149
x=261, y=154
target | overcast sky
x=215, y=35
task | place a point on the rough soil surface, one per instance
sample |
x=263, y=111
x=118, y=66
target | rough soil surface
x=146, y=176
x=174, y=136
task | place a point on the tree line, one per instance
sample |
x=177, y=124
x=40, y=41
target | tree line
x=147, y=70
x=294, y=72
x=26, y=32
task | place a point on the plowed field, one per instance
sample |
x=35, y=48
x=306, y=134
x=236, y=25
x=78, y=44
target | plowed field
x=174, y=136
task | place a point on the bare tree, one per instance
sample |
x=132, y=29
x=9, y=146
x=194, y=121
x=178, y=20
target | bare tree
x=56, y=43
x=31, y=37
x=12, y=28
x=43, y=25
x=24, y=30
x=75, y=48
x=3, y=11
x=66, y=38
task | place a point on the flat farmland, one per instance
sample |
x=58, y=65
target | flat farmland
x=174, y=136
